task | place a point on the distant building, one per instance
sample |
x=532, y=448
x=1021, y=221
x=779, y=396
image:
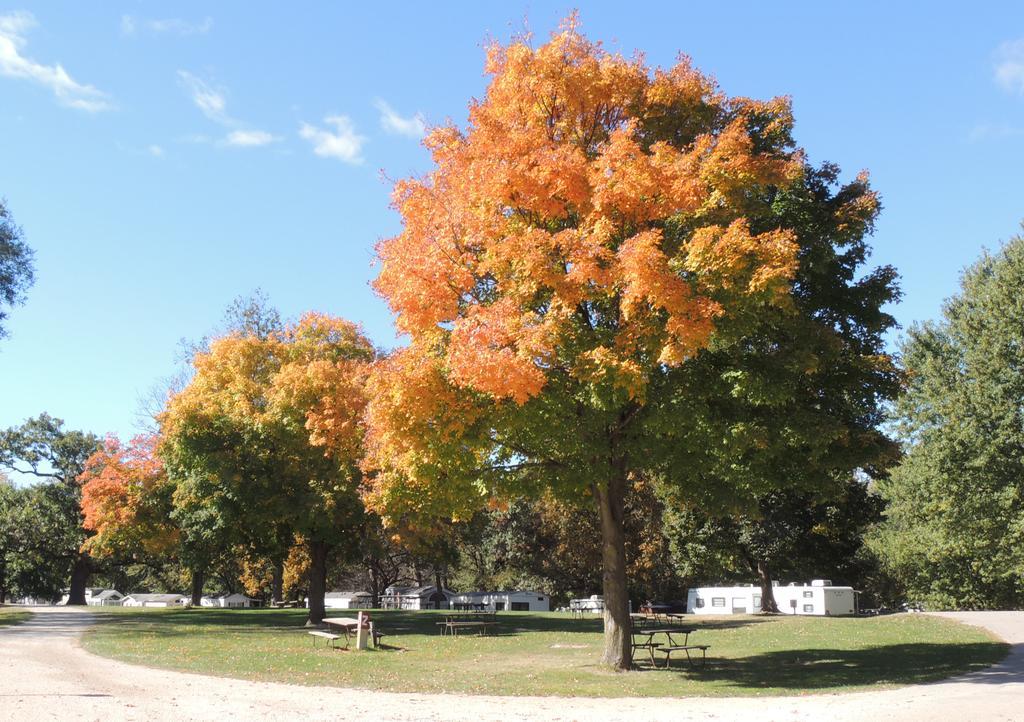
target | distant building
x=396, y=597
x=155, y=600
x=518, y=601
x=98, y=597
x=227, y=601
x=819, y=598
x=347, y=600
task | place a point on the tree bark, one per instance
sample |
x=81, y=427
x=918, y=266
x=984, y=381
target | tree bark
x=81, y=570
x=277, y=582
x=374, y=587
x=198, y=581
x=317, y=582
x=618, y=637
x=768, y=604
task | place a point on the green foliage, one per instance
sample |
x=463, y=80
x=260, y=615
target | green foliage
x=49, y=514
x=954, y=533
x=16, y=270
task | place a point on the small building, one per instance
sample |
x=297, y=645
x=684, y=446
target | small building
x=819, y=598
x=594, y=604
x=105, y=598
x=155, y=600
x=517, y=601
x=97, y=597
x=347, y=600
x=227, y=601
x=396, y=597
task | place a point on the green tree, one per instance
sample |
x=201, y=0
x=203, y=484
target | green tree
x=797, y=402
x=17, y=272
x=43, y=448
x=954, y=528
x=265, y=438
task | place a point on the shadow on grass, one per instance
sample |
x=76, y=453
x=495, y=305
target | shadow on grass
x=812, y=669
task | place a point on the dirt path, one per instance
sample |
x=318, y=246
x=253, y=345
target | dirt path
x=45, y=675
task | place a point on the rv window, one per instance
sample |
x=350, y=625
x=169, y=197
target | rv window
x=809, y=608
x=499, y=606
x=700, y=603
x=808, y=595
x=520, y=606
x=717, y=601
x=540, y=599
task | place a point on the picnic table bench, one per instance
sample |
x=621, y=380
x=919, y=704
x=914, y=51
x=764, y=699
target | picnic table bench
x=346, y=626
x=481, y=622
x=331, y=639
x=644, y=639
x=668, y=650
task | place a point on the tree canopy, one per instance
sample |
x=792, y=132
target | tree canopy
x=595, y=227
x=954, y=533
x=17, y=272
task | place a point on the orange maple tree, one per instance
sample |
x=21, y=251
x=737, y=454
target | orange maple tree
x=595, y=226
x=125, y=499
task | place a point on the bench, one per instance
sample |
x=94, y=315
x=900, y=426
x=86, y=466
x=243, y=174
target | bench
x=684, y=648
x=330, y=639
x=480, y=622
x=649, y=646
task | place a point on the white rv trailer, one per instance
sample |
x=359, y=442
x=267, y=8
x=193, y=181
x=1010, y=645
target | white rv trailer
x=819, y=598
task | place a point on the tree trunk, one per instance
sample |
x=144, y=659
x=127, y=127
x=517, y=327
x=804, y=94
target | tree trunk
x=618, y=637
x=277, y=582
x=768, y=604
x=317, y=582
x=80, y=573
x=198, y=580
x=374, y=587
x=438, y=586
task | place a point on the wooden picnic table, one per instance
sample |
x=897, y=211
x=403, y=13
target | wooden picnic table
x=647, y=641
x=479, y=621
x=347, y=626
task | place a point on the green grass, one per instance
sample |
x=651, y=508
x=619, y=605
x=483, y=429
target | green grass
x=11, y=615
x=550, y=654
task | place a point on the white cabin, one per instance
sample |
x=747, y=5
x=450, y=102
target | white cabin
x=819, y=598
x=98, y=597
x=347, y=600
x=517, y=601
x=155, y=600
x=396, y=597
x=227, y=601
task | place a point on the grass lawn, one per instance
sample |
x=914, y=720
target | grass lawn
x=551, y=654
x=13, y=615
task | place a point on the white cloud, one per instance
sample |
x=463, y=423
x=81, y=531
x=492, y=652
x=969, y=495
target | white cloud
x=155, y=151
x=13, y=28
x=213, y=104
x=1009, y=68
x=344, y=143
x=993, y=131
x=209, y=100
x=392, y=122
x=177, y=26
x=249, y=138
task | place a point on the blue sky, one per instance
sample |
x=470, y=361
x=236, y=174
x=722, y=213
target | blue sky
x=164, y=159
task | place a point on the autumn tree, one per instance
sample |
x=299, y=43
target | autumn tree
x=17, y=272
x=594, y=228
x=44, y=449
x=128, y=502
x=267, y=435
